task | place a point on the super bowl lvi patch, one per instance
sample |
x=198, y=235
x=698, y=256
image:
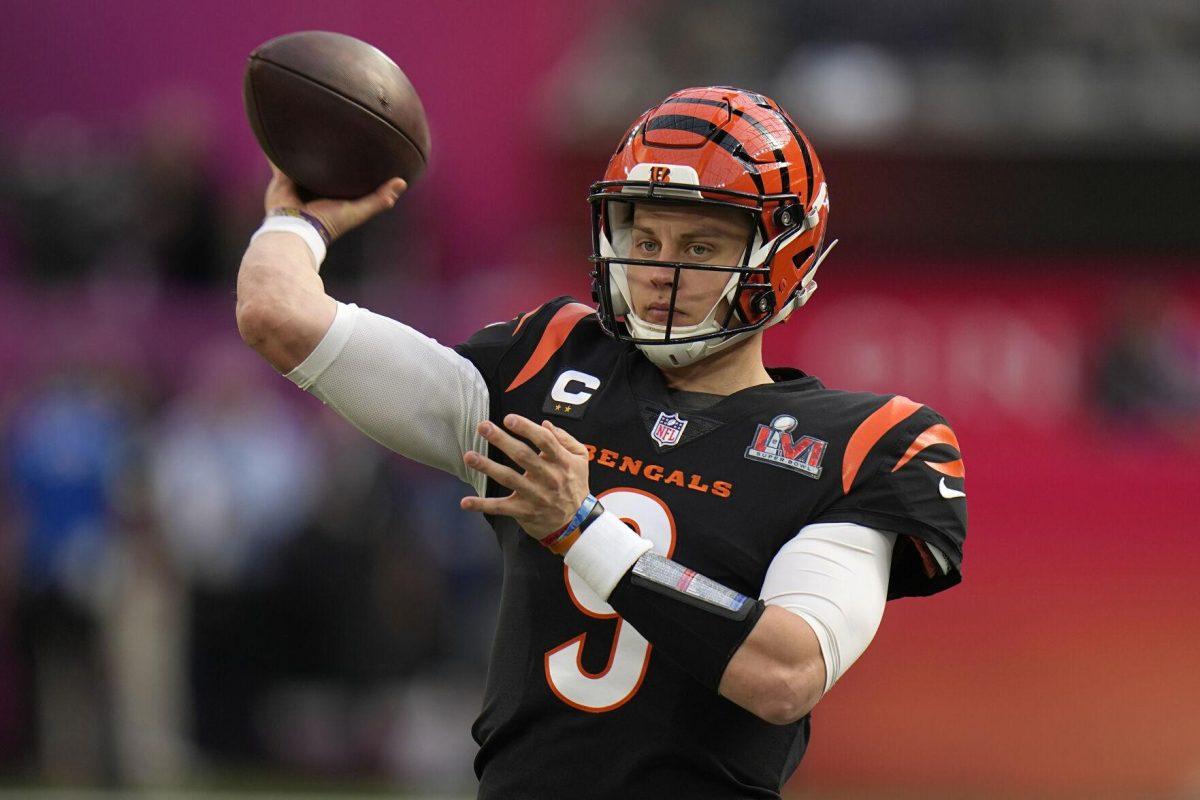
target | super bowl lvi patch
x=775, y=445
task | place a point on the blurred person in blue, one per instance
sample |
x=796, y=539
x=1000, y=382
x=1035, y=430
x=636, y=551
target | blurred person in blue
x=69, y=455
x=695, y=547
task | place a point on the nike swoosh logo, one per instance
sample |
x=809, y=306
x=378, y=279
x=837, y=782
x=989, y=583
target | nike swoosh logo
x=947, y=492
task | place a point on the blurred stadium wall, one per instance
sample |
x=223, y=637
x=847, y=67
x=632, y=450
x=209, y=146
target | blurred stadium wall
x=203, y=578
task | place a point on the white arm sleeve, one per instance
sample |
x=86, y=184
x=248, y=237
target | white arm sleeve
x=835, y=576
x=401, y=388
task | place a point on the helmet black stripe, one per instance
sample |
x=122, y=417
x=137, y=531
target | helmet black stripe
x=703, y=101
x=683, y=122
x=699, y=127
x=758, y=181
x=784, y=176
x=808, y=168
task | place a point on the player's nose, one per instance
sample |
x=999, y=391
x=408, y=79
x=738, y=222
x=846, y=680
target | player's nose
x=660, y=276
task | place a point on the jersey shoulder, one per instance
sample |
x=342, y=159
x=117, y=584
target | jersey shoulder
x=508, y=354
x=869, y=425
x=892, y=432
x=901, y=470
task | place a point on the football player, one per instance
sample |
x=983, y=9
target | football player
x=695, y=547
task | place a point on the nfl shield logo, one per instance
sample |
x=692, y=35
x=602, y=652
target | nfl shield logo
x=668, y=430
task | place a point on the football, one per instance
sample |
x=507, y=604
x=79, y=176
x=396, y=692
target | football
x=334, y=113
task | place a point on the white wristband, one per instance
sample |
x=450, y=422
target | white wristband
x=604, y=553
x=298, y=226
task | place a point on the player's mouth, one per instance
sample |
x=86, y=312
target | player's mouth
x=659, y=313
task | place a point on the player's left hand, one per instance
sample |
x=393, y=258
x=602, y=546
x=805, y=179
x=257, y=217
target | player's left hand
x=553, y=485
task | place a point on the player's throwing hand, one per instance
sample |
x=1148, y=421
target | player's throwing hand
x=555, y=482
x=338, y=216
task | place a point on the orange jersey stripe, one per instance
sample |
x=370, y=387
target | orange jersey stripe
x=524, y=318
x=934, y=434
x=951, y=469
x=557, y=331
x=870, y=431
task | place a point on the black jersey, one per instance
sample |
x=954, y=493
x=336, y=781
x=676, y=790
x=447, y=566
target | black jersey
x=577, y=703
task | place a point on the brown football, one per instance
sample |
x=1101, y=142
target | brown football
x=334, y=113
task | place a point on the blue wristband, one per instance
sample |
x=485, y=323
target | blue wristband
x=585, y=508
x=581, y=514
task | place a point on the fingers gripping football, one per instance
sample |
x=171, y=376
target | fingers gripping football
x=554, y=480
x=338, y=216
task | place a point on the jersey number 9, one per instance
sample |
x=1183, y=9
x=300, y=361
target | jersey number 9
x=629, y=657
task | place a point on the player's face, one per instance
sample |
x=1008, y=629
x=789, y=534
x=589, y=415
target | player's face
x=693, y=234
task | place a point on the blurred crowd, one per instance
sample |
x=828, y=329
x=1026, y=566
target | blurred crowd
x=200, y=568
x=1051, y=75
x=216, y=573
x=1147, y=369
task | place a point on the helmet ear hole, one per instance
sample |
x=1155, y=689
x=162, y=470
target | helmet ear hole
x=801, y=258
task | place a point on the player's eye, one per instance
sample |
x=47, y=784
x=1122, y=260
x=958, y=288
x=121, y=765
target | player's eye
x=646, y=246
x=699, y=250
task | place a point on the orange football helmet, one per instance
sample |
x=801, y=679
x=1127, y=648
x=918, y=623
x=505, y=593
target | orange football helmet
x=715, y=146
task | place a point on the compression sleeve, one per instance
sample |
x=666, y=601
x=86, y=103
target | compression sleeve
x=835, y=577
x=401, y=388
